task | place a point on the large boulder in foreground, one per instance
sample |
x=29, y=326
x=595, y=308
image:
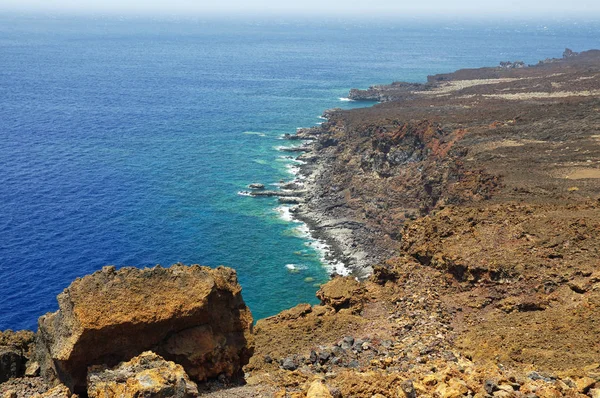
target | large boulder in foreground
x=147, y=375
x=194, y=316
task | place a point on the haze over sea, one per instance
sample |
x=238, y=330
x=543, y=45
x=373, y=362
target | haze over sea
x=125, y=141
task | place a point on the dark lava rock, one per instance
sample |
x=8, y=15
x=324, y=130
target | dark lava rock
x=347, y=342
x=324, y=356
x=313, y=357
x=490, y=386
x=289, y=364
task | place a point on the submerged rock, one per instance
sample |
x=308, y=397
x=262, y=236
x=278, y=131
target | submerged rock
x=147, y=375
x=194, y=316
x=256, y=185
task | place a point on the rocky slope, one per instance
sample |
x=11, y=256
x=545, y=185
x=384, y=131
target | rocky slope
x=479, y=192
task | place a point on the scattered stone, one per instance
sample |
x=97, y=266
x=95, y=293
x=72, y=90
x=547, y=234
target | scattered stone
x=318, y=389
x=256, y=186
x=353, y=364
x=289, y=364
x=408, y=389
x=147, y=375
x=268, y=359
x=489, y=386
x=313, y=358
x=324, y=356
x=346, y=342
x=32, y=369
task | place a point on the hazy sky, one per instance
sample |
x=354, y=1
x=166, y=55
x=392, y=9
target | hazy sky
x=385, y=7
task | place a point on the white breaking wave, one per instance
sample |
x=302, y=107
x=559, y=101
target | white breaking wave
x=258, y=133
x=344, y=99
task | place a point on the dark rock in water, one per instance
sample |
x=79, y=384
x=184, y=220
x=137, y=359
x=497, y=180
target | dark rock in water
x=256, y=186
x=281, y=194
x=290, y=200
x=289, y=364
x=302, y=148
x=290, y=185
x=194, y=316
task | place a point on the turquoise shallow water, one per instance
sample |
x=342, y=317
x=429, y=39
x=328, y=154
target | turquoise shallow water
x=125, y=141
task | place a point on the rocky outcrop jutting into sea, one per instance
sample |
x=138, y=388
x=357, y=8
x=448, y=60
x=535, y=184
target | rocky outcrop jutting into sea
x=193, y=316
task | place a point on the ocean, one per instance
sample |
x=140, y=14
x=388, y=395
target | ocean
x=125, y=141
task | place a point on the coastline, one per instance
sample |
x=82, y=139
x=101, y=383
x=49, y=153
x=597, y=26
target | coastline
x=343, y=253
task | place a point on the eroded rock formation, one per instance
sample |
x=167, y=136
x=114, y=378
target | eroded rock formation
x=194, y=316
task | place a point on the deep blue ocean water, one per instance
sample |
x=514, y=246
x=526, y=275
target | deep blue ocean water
x=125, y=141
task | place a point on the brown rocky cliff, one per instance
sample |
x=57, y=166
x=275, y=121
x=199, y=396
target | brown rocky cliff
x=194, y=316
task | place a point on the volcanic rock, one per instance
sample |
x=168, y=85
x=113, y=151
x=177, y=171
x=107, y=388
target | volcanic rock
x=14, y=352
x=145, y=375
x=194, y=316
x=342, y=292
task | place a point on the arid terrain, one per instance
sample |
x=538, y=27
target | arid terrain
x=468, y=208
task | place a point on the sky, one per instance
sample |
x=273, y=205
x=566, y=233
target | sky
x=530, y=8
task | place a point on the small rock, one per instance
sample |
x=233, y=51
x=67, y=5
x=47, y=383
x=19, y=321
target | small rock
x=268, y=359
x=337, y=351
x=10, y=394
x=347, y=342
x=353, y=364
x=430, y=380
x=408, y=389
x=584, y=384
x=387, y=344
x=313, y=358
x=365, y=346
x=594, y=392
x=289, y=364
x=318, y=389
x=506, y=387
x=489, y=386
x=32, y=369
x=324, y=356
x=256, y=186
x=501, y=394
x=538, y=376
